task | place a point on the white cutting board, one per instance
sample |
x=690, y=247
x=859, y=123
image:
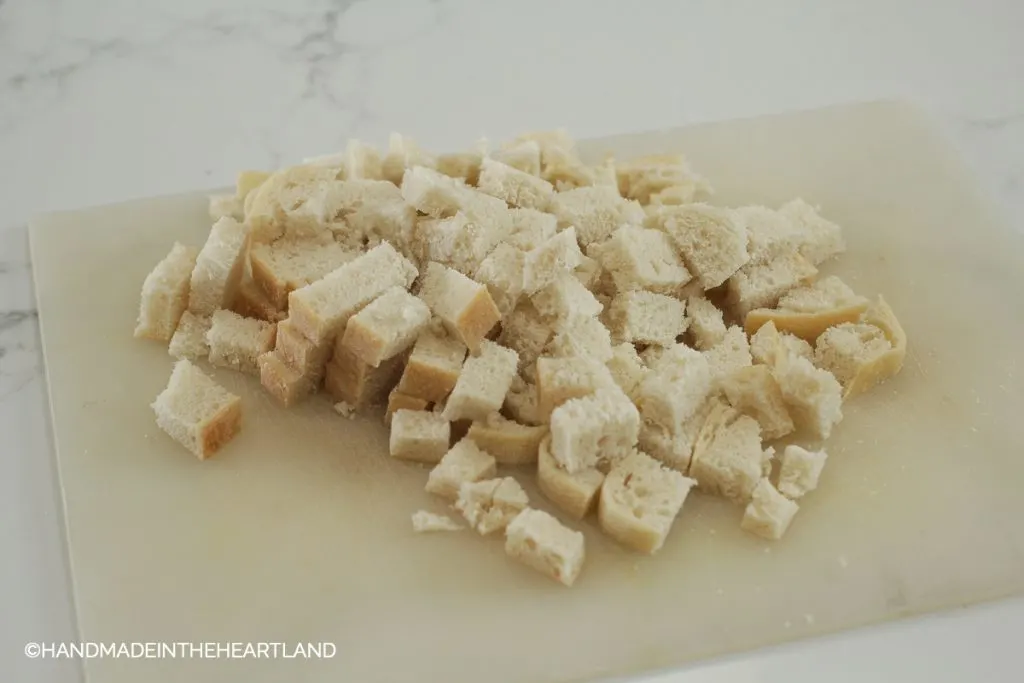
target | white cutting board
x=299, y=529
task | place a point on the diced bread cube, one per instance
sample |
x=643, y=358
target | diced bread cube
x=542, y=264
x=483, y=383
x=423, y=522
x=419, y=435
x=252, y=302
x=566, y=171
x=433, y=367
x=596, y=212
x=566, y=297
x=502, y=272
x=820, y=239
x=433, y=193
x=707, y=324
x=403, y=153
x=277, y=207
x=386, y=327
x=676, y=386
x=574, y=494
x=642, y=258
x=673, y=446
x=521, y=402
x=647, y=318
x=647, y=177
x=458, y=242
x=280, y=267
x=463, y=305
x=526, y=331
x=809, y=310
x=509, y=442
x=362, y=161
x=282, y=381
x=582, y=336
x=531, y=228
x=728, y=356
x=627, y=369
x=770, y=234
x=464, y=463
x=357, y=383
x=562, y=379
x=247, y=181
x=307, y=358
x=601, y=428
x=589, y=273
x=515, y=187
x=399, y=401
x=766, y=345
x=219, y=268
x=229, y=205
x=761, y=286
x=189, y=340
x=727, y=458
x=639, y=501
x=237, y=343
x=197, y=412
x=800, y=470
x=541, y=542
x=321, y=310
x=814, y=396
x=713, y=245
x=490, y=505
x=364, y=213
x=464, y=166
x=523, y=155
x=862, y=355
x=165, y=294
x=753, y=391
x=769, y=513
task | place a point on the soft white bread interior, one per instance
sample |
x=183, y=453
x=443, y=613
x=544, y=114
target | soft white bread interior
x=727, y=459
x=219, y=267
x=464, y=305
x=769, y=513
x=596, y=212
x=513, y=186
x=643, y=317
x=285, y=265
x=642, y=258
x=807, y=311
x=424, y=521
x=189, y=340
x=753, y=391
x=197, y=412
x=541, y=542
x=464, y=463
x=862, y=355
x=574, y=494
x=386, y=327
x=434, y=365
x=419, y=435
x=165, y=294
x=800, y=471
x=490, y=505
x=595, y=430
x=237, y=343
x=713, y=245
x=510, y=442
x=483, y=383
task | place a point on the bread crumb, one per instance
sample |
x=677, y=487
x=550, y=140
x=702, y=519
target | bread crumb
x=423, y=521
x=345, y=409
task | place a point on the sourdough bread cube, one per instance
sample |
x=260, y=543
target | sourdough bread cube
x=274, y=209
x=761, y=286
x=767, y=343
x=596, y=212
x=627, y=369
x=424, y=522
x=464, y=463
x=566, y=171
x=321, y=310
x=770, y=234
x=727, y=457
x=642, y=258
x=367, y=212
x=521, y=402
x=531, y=228
x=800, y=471
x=237, y=343
x=713, y=245
x=676, y=386
x=769, y=513
x=707, y=324
x=463, y=305
x=674, y=446
x=581, y=336
x=432, y=192
x=510, y=442
x=282, y=266
x=458, y=242
x=419, y=435
x=728, y=356
x=483, y=383
x=403, y=154
x=464, y=166
x=165, y=294
x=526, y=331
x=387, y=326
x=399, y=401
x=219, y=268
x=640, y=499
x=523, y=155
x=197, y=412
x=189, y=340
x=541, y=542
x=566, y=297
x=502, y=272
x=350, y=380
x=490, y=505
x=753, y=391
x=857, y=353
x=283, y=382
x=513, y=186
x=814, y=396
x=648, y=178
x=808, y=311
x=307, y=358
x=598, y=429
x=647, y=318
x=574, y=494
x=434, y=366
x=252, y=302
x=558, y=254
x=820, y=239
x=562, y=379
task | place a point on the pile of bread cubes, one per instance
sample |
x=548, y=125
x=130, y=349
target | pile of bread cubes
x=602, y=328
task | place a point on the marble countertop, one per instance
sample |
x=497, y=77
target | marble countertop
x=116, y=99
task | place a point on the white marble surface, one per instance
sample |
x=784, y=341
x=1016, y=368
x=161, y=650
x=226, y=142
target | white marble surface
x=113, y=99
